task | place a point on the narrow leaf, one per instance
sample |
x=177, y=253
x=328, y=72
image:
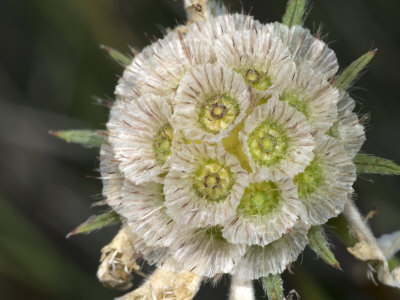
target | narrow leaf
x=273, y=285
x=96, y=222
x=117, y=56
x=90, y=138
x=375, y=165
x=294, y=12
x=344, y=80
x=320, y=246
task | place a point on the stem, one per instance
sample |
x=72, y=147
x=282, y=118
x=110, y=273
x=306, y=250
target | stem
x=241, y=289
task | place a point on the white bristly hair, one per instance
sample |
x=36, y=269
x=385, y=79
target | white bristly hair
x=255, y=50
x=206, y=255
x=306, y=49
x=261, y=229
x=348, y=130
x=272, y=258
x=145, y=213
x=132, y=135
x=316, y=94
x=335, y=188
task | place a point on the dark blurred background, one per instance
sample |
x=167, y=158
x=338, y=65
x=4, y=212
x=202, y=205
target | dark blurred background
x=51, y=67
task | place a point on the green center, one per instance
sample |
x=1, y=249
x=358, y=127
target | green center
x=257, y=79
x=268, y=144
x=218, y=113
x=162, y=144
x=213, y=181
x=259, y=199
x=308, y=181
x=333, y=131
x=296, y=102
x=215, y=232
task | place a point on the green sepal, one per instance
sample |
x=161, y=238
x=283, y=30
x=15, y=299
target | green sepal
x=375, y=165
x=96, y=222
x=117, y=56
x=273, y=286
x=344, y=80
x=91, y=138
x=320, y=246
x=294, y=12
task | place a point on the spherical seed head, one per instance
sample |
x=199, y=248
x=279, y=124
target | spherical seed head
x=226, y=143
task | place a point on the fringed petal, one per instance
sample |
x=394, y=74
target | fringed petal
x=306, y=49
x=314, y=97
x=141, y=137
x=133, y=73
x=112, y=178
x=273, y=258
x=144, y=210
x=209, y=31
x=348, y=130
x=326, y=183
x=205, y=252
x=277, y=141
x=204, y=185
x=260, y=57
x=267, y=210
x=172, y=59
x=210, y=102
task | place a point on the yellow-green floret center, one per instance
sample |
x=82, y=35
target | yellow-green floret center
x=259, y=199
x=218, y=113
x=257, y=79
x=293, y=100
x=308, y=181
x=333, y=131
x=213, y=181
x=215, y=232
x=162, y=144
x=267, y=144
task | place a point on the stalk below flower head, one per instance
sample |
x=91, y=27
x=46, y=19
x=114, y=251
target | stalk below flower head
x=229, y=144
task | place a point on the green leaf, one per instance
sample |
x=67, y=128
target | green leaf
x=375, y=165
x=274, y=287
x=90, y=138
x=96, y=222
x=344, y=80
x=117, y=56
x=294, y=12
x=320, y=246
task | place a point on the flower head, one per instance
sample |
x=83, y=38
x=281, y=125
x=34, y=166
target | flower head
x=227, y=143
x=219, y=151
